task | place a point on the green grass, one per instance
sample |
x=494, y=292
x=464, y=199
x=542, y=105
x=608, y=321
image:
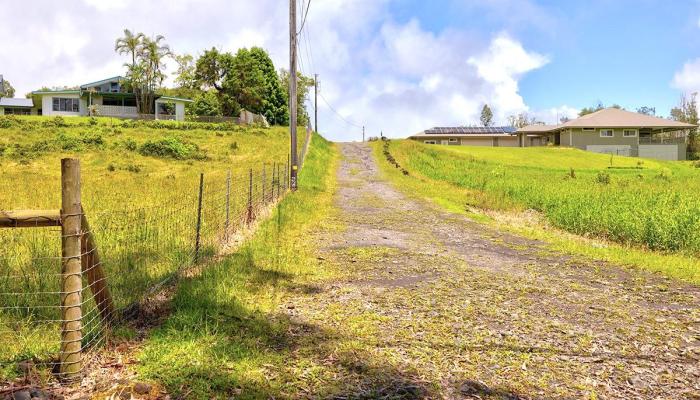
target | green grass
x=139, y=190
x=648, y=217
x=227, y=336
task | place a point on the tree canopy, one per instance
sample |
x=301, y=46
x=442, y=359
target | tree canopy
x=8, y=90
x=486, y=115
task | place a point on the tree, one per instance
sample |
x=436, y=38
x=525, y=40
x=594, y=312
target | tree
x=597, y=107
x=211, y=70
x=687, y=111
x=564, y=119
x=129, y=44
x=245, y=81
x=486, y=115
x=523, y=119
x=647, y=110
x=304, y=84
x=207, y=104
x=185, y=75
x=274, y=102
x=146, y=73
x=7, y=90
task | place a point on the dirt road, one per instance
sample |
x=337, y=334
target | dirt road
x=434, y=305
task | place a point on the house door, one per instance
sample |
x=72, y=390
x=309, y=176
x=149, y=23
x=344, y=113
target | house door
x=557, y=138
x=445, y=142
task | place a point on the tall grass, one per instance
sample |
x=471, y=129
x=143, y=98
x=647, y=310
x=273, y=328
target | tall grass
x=139, y=191
x=648, y=203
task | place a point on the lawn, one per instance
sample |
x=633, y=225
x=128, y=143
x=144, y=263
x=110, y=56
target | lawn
x=140, y=184
x=638, y=203
x=227, y=336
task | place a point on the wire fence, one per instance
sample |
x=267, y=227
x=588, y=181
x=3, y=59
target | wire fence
x=57, y=307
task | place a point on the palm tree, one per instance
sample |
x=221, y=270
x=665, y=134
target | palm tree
x=129, y=44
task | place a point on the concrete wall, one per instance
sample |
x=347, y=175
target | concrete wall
x=179, y=111
x=511, y=141
x=477, y=141
x=616, y=149
x=581, y=138
x=47, y=105
x=672, y=152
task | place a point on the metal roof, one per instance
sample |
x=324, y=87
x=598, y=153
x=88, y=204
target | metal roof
x=471, y=130
x=175, y=99
x=611, y=118
x=103, y=81
x=12, y=102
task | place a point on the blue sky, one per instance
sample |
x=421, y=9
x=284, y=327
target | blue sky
x=394, y=66
x=624, y=52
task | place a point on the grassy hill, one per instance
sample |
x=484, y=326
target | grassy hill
x=140, y=186
x=641, y=202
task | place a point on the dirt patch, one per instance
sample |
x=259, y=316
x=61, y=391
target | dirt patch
x=479, y=313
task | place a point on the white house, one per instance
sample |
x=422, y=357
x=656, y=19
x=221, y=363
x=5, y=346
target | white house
x=105, y=98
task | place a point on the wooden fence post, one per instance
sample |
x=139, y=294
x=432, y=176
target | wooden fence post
x=71, y=271
x=96, y=278
x=199, y=218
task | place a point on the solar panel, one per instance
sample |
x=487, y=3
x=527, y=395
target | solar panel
x=471, y=130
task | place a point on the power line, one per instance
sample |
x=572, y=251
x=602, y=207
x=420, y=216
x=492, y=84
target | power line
x=337, y=113
x=305, y=14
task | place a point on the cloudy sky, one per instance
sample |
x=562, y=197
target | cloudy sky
x=397, y=66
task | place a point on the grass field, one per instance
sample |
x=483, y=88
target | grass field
x=227, y=336
x=649, y=206
x=139, y=190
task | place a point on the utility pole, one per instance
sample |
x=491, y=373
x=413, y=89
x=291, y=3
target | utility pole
x=293, y=92
x=363, y=133
x=316, y=102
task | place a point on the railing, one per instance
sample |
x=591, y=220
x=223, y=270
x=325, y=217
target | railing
x=661, y=140
x=116, y=111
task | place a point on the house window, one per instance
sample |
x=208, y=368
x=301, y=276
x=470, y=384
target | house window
x=17, y=111
x=66, y=104
x=453, y=140
x=607, y=133
x=588, y=129
x=429, y=141
x=111, y=101
x=629, y=133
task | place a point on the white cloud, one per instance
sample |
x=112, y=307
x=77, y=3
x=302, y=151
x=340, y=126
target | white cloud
x=505, y=62
x=393, y=76
x=555, y=114
x=688, y=78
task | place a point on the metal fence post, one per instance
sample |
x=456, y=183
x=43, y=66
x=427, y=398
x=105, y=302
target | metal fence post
x=264, y=199
x=250, y=197
x=199, y=218
x=228, y=204
x=71, y=271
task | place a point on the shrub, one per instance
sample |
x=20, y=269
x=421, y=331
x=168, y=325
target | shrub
x=68, y=143
x=233, y=146
x=172, y=147
x=93, y=139
x=603, y=178
x=129, y=144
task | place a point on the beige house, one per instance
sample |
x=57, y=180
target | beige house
x=614, y=131
x=469, y=136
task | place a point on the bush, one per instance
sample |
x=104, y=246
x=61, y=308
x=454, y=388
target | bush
x=603, y=178
x=93, y=139
x=172, y=147
x=129, y=144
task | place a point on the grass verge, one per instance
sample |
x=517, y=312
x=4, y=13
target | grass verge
x=226, y=336
x=456, y=198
